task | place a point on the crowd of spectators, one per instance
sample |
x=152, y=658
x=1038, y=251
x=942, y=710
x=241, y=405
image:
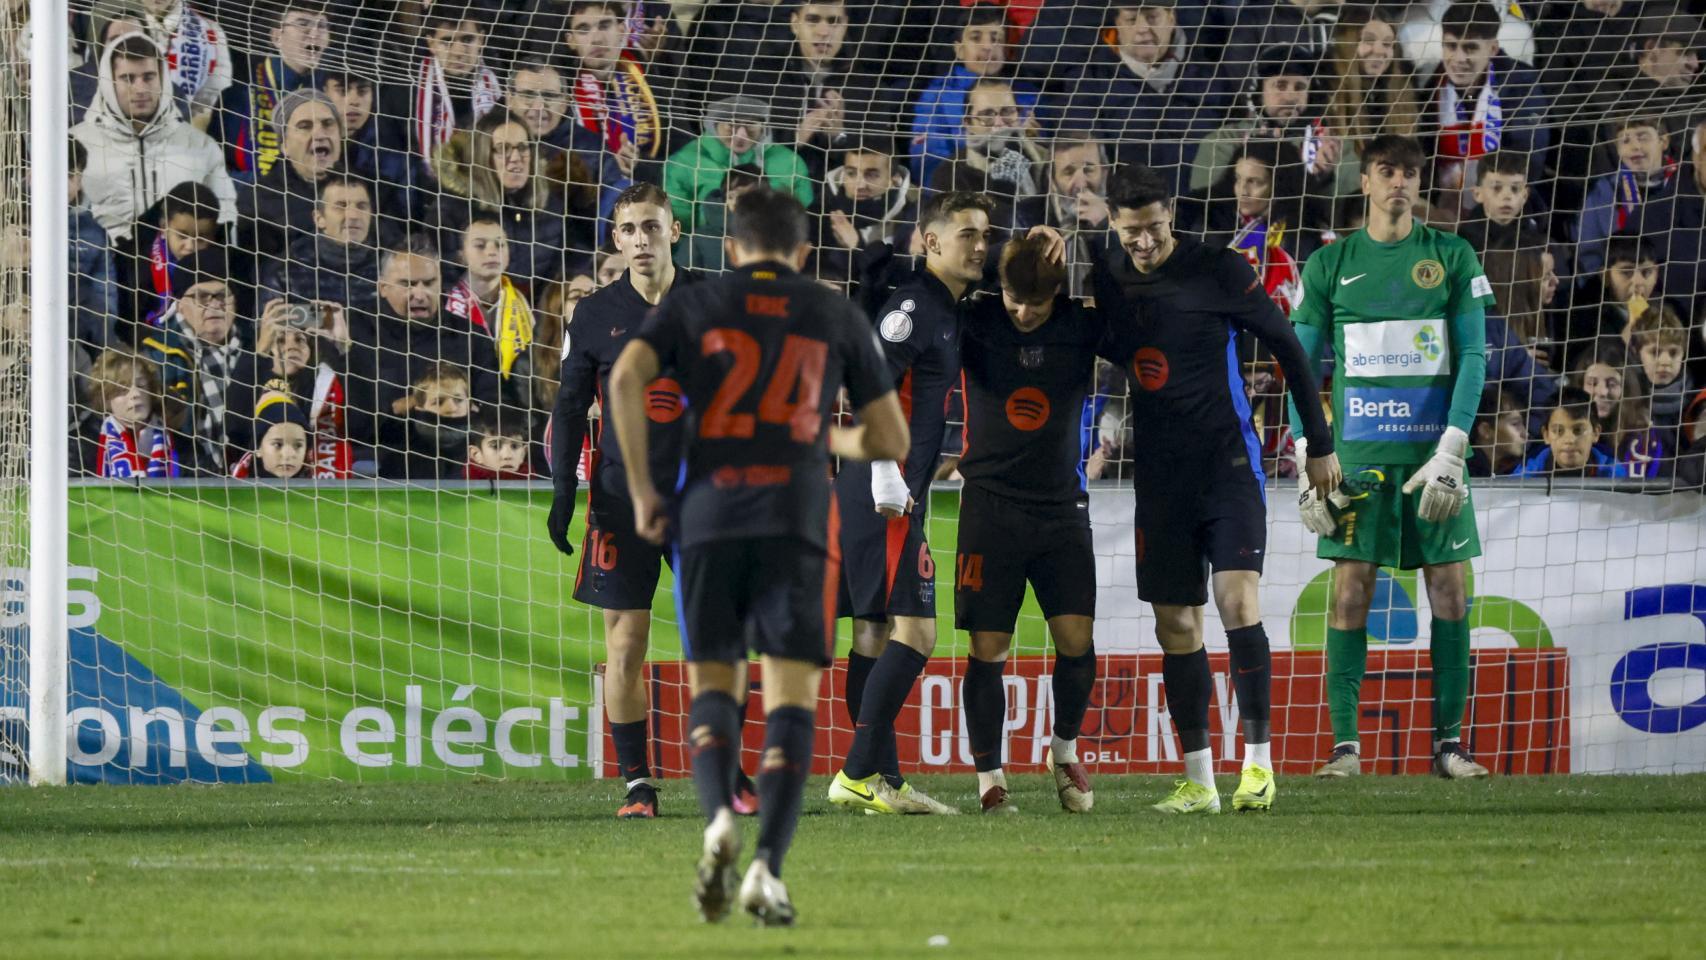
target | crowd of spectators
x=343, y=239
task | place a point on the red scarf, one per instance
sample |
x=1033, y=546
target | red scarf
x=331, y=459
x=160, y=268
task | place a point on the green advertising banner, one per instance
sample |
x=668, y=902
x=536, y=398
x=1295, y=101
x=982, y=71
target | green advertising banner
x=348, y=632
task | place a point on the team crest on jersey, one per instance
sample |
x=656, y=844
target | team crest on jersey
x=897, y=326
x=1428, y=274
x=1031, y=357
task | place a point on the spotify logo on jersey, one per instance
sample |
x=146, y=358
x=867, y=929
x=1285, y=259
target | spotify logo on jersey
x=1027, y=409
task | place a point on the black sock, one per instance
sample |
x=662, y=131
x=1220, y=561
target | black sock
x=888, y=756
x=788, y=733
x=858, y=671
x=1074, y=678
x=1252, y=678
x=886, y=692
x=711, y=726
x=985, y=701
x=740, y=737
x=631, y=763
x=1188, y=684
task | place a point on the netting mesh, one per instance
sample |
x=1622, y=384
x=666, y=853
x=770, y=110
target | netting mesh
x=360, y=229
x=14, y=382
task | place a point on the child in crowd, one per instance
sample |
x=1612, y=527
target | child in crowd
x=491, y=304
x=1570, y=438
x=281, y=447
x=188, y=224
x=1620, y=409
x=1500, y=436
x=497, y=447
x=1496, y=222
x=1637, y=199
x=435, y=443
x=1657, y=339
x=1610, y=301
x=134, y=442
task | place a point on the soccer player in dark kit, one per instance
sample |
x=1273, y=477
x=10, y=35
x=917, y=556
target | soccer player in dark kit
x=890, y=576
x=761, y=353
x=1029, y=358
x=619, y=569
x=1174, y=308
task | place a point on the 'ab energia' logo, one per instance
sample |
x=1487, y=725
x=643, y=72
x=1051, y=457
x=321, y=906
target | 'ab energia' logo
x=1428, y=343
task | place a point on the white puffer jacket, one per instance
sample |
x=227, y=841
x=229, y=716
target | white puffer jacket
x=130, y=170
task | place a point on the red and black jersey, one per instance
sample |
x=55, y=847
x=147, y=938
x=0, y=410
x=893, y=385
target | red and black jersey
x=604, y=321
x=761, y=353
x=1174, y=330
x=1025, y=396
x=919, y=329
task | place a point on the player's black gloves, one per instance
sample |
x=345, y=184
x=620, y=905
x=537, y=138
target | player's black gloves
x=562, y=512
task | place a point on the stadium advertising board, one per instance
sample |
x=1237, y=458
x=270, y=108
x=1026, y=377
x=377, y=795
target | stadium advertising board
x=245, y=634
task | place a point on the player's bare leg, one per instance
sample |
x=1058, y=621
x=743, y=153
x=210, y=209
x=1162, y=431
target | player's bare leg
x=985, y=700
x=1185, y=674
x=626, y=636
x=1347, y=660
x=1071, y=684
x=911, y=641
x=712, y=729
x=1448, y=654
x=790, y=705
x=1237, y=597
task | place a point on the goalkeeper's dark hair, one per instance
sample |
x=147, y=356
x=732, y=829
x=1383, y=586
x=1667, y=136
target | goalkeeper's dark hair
x=1027, y=273
x=641, y=192
x=945, y=205
x=1395, y=149
x=768, y=220
x=1135, y=187
x=1471, y=20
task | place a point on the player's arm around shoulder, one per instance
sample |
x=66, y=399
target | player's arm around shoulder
x=1320, y=272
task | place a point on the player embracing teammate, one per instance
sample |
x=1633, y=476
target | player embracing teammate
x=1404, y=307
x=1174, y=307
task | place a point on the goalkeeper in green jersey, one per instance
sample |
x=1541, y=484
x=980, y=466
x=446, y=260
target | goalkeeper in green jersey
x=1403, y=306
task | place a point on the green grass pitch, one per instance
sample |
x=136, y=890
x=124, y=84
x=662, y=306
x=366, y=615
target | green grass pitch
x=1392, y=867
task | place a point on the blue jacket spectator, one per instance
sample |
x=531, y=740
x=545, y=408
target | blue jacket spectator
x=1640, y=199
x=94, y=294
x=938, y=115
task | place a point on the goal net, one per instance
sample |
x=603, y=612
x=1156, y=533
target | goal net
x=326, y=255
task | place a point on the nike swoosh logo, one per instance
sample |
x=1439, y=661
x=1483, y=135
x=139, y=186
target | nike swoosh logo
x=618, y=331
x=1265, y=788
x=1347, y=281
x=1459, y=545
x=867, y=795
x=1242, y=670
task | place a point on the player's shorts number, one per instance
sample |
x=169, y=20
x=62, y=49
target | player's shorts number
x=926, y=563
x=603, y=552
x=969, y=576
x=791, y=397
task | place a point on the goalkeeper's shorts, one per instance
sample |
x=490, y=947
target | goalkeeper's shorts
x=1003, y=544
x=1380, y=526
x=1188, y=524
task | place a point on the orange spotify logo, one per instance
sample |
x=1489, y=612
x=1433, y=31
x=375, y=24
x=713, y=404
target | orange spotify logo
x=1027, y=409
x=663, y=401
x=1150, y=366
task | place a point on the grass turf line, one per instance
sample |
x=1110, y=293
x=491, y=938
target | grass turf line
x=1403, y=867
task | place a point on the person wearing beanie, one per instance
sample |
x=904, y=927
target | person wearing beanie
x=197, y=347
x=278, y=208
x=282, y=440
x=737, y=134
